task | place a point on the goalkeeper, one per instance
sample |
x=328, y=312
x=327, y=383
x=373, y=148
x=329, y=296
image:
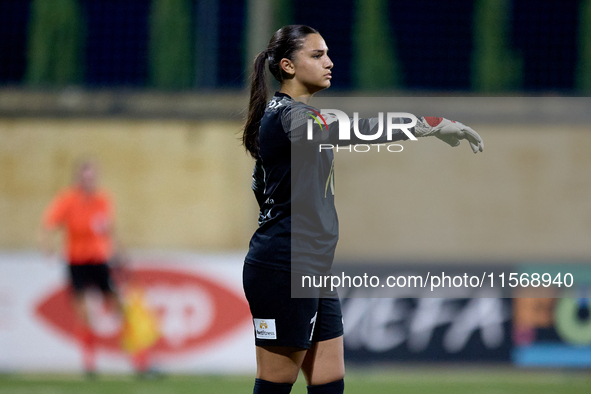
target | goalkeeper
x=298, y=226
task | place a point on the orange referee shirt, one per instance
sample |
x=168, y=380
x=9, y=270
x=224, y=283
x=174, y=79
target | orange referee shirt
x=87, y=220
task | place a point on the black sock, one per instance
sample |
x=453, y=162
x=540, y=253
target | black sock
x=336, y=387
x=265, y=387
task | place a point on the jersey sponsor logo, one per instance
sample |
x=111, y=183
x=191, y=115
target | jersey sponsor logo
x=265, y=328
x=193, y=312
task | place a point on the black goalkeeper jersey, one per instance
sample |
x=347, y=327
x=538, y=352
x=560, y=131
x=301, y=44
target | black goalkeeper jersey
x=293, y=181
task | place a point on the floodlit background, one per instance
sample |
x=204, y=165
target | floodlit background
x=155, y=91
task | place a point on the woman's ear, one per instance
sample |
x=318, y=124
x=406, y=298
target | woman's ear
x=287, y=66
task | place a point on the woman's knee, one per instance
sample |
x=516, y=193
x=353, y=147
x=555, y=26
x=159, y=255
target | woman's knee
x=279, y=364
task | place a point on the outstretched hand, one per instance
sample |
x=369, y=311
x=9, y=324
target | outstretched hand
x=449, y=131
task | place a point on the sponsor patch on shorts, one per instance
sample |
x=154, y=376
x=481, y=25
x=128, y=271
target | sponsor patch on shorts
x=265, y=329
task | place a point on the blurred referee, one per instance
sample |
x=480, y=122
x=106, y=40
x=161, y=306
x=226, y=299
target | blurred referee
x=85, y=213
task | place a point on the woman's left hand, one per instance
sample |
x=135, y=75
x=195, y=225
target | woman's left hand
x=449, y=131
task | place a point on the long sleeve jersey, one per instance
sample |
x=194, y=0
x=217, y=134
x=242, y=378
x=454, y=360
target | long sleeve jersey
x=293, y=182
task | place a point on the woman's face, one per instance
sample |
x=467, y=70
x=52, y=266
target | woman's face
x=312, y=64
x=87, y=177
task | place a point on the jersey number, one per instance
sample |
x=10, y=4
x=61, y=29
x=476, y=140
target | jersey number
x=313, y=323
x=330, y=180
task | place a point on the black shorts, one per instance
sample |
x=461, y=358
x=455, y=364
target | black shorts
x=279, y=319
x=86, y=276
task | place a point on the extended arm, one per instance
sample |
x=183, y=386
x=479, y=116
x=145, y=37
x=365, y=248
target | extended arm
x=305, y=125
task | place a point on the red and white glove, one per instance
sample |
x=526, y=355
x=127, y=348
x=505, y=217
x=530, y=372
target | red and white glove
x=448, y=131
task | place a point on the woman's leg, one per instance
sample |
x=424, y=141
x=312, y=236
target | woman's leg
x=284, y=327
x=277, y=368
x=83, y=331
x=324, y=365
x=279, y=364
x=324, y=362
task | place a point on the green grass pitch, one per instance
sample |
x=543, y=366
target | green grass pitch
x=408, y=380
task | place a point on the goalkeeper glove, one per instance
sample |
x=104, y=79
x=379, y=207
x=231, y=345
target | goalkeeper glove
x=448, y=131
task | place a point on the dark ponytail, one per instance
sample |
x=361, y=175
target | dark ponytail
x=283, y=44
x=256, y=106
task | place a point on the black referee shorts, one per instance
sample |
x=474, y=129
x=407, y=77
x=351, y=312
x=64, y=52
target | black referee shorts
x=85, y=276
x=279, y=319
